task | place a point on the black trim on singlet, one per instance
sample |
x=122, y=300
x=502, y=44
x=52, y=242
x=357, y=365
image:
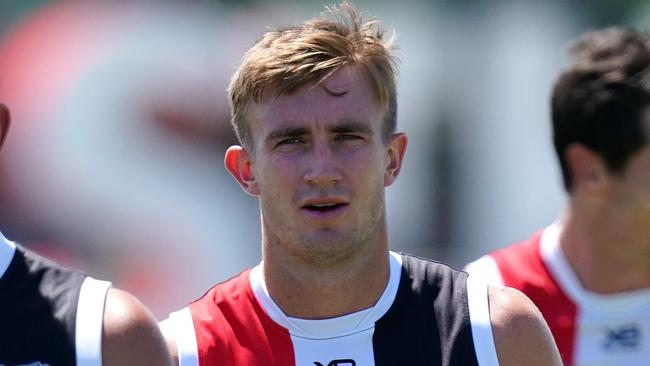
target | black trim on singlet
x=38, y=306
x=428, y=323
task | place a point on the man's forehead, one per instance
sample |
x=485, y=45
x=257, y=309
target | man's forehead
x=346, y=91
x=343, y=80
x=339, y=82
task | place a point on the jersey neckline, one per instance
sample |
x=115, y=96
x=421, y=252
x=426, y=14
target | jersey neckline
x=333, y=327
x=555, y=260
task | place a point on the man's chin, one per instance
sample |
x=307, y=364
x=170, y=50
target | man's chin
x=330, y=248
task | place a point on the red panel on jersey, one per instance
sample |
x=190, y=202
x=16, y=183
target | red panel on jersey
x=522, y=267
x=232, y=328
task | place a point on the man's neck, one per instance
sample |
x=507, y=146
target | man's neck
x=311, y=292
x=601, y=257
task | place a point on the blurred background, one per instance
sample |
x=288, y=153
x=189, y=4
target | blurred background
x=114, y=164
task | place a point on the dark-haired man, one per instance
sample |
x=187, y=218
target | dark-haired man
x=589, y=272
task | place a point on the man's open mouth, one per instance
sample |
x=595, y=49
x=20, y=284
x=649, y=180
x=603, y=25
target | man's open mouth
x=323, y=207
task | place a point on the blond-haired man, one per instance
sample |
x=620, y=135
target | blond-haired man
x=314, y=107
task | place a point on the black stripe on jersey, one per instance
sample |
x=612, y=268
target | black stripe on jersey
x=37, y=311
x=428, y=323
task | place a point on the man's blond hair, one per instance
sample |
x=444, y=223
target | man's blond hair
x=289, y=58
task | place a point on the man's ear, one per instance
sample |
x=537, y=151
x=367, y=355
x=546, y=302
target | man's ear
x=586, y=168
x=395, y=149
x=4, y=123
x=240, y=166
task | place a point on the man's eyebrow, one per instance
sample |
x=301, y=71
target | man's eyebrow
x=287, y=131
x=351, y=126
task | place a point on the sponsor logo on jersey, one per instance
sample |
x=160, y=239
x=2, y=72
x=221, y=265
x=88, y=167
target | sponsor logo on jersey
x=622, y=338
x=344, y=362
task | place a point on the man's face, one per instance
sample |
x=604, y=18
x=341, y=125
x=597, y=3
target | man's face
x=320, y=166
x=4, y=123
x=628, y=199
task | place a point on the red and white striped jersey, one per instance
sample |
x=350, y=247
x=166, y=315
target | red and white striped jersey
x=429, y=314
x=589, y=328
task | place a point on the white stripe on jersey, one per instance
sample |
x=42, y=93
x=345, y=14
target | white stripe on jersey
x=479, y=315
x=89, y=320
x=357, y=348
x=7, y=250
x=181, y=327
x=485, y=269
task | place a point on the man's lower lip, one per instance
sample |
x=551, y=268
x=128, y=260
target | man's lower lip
x=324, y=214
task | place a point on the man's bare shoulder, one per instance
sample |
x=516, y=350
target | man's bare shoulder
x=130, y=334
x=521, y=335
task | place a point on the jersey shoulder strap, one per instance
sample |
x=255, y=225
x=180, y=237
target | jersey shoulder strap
x=430, y=319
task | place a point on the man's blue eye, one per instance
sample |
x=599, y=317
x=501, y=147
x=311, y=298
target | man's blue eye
x=347, y=137
x=290, y=141
x=293, y=140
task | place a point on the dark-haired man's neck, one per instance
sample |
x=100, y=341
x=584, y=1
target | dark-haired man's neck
x=603, y=257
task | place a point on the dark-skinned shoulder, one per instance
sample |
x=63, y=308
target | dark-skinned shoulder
x=521, y=335
x=130, y=334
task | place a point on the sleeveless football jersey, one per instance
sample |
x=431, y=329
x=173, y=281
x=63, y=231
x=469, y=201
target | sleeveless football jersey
x=589, y=328
x=49, y=315
x=428, y=314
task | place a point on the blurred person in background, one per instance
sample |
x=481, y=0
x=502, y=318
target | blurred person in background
x=314, y=107
x=122, y=108
x=589, y=271
x=50, y=315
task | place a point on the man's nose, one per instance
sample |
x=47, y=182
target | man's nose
x=323, y=167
